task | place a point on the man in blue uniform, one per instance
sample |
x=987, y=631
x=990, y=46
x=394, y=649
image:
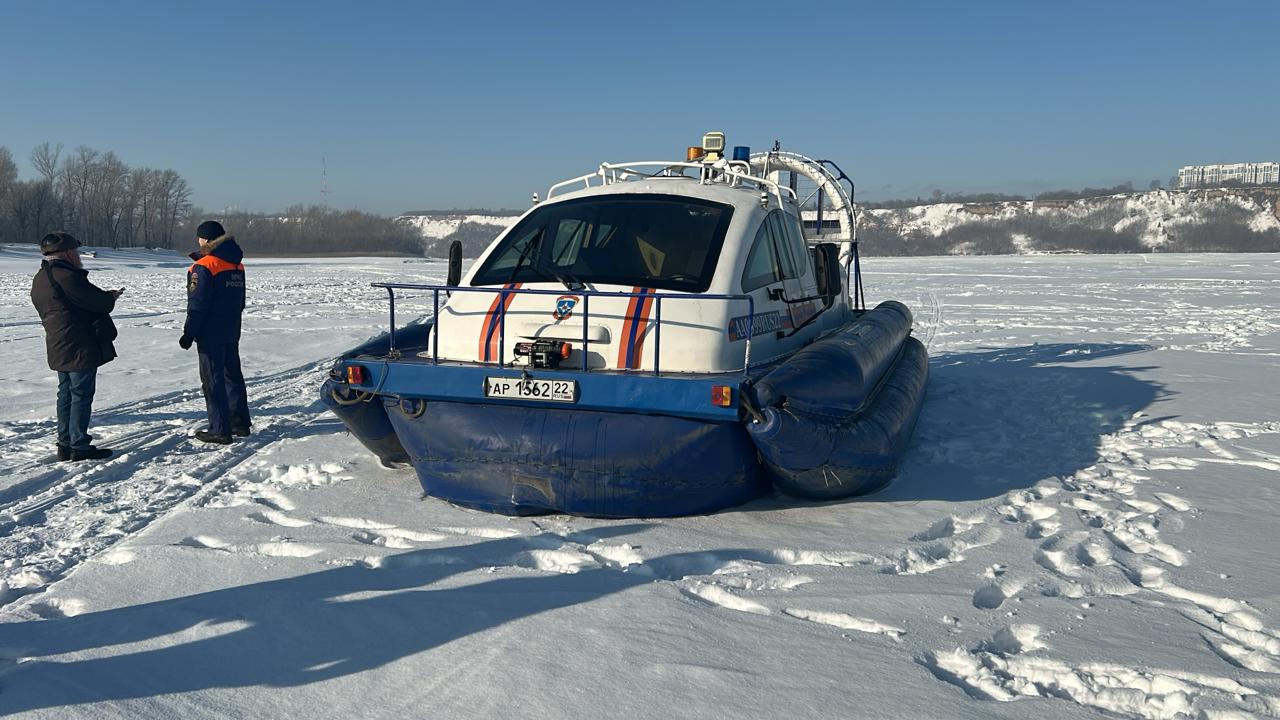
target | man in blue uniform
x=215, y=301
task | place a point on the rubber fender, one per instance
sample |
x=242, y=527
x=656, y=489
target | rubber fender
x=813, y=458
x=413, y=335
x=833, y=377
x=368, y=422
x=520, y=460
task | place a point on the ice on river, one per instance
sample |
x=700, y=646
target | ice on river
x=1084, y=525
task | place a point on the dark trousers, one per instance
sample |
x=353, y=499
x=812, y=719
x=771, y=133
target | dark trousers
x=222, y=382
x=75, y=401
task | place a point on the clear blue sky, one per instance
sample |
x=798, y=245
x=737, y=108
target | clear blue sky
x=464, y=104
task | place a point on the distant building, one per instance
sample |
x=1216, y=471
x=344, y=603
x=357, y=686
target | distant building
x=1248, y=173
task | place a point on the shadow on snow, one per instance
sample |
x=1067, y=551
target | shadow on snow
x=1003, y=419
x=289, y=632
x=310, y=628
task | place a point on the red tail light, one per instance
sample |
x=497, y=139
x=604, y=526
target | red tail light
x=355, y=375
x=565, y=349
x=722, y=396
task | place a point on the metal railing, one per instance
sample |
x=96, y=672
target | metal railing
x=586, y=296
x=732, y=173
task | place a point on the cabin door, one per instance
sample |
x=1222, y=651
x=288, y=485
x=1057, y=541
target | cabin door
x=771, y=277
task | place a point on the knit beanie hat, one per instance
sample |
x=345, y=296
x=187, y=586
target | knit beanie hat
x=210, y=230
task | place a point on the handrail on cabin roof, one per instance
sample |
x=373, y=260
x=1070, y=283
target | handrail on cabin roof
x=729, y=172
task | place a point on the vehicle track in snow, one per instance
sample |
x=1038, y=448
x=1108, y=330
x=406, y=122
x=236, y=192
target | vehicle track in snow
x=934, y=319
x=57, y=518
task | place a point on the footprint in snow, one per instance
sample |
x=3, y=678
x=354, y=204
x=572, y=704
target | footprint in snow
x=941, y=553
x=1173, y=501
x=1002, y=670
x=117, y=556
x=355, y=523
x=485, y=533
x=275, y=517
x=844, y=621
x=395, y=538
x=993, y=595
x=280, y=549
x=55, y=608
x=204, y=542
x=565, y=560
x=948, y=527
x=270, y=549
x=721, y=597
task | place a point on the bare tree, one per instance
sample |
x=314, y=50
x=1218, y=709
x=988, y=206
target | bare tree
x=8, y=177
x=75, y=178
x=31, y=210
x=45, y=160
x=8, y=171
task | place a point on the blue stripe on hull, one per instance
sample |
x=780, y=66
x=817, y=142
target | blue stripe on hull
x=623, y=392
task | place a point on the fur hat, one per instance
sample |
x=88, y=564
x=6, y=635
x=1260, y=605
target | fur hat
x=56, y=242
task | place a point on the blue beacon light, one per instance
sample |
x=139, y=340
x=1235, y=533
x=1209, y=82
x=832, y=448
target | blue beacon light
x=742, y=152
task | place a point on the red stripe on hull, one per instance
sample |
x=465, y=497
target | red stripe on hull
x=637, y=319
x=489, y=335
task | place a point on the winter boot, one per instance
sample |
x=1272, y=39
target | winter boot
x=245, y=431
x=64, y=452
x=90, y=453
x=210, y=437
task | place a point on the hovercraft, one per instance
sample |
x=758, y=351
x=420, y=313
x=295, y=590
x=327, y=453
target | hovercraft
x=652, y=339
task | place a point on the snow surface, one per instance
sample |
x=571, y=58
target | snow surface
x=1083, y=526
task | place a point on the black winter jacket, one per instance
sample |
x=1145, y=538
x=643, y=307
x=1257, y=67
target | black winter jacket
x=215, y=293
x=68, y=312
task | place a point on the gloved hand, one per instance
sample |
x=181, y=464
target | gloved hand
x=185, y=342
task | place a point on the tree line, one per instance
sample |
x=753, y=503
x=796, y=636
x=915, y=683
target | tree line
x=94, y=196
x=316, y=230
x=104, y=202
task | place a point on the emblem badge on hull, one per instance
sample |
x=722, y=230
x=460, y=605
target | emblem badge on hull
x=564, y=307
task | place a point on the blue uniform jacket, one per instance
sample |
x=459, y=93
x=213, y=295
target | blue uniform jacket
x=215, y=293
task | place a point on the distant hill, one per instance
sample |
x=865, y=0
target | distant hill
x=1207, y=220
x=475, y=228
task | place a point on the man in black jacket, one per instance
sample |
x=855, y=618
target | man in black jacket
x=215, y=302
x=78, y=334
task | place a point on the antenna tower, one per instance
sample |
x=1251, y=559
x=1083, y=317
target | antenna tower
x=324, y=183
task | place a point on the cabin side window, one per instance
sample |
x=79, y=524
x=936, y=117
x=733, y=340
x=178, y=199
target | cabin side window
x=765, y=263
x=795, y=241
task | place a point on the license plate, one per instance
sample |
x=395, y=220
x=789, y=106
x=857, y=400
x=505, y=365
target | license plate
x=531, y=389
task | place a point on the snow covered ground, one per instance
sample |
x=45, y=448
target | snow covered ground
x=1084, y=525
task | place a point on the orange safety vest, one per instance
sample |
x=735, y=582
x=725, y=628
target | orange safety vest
x=215, y=265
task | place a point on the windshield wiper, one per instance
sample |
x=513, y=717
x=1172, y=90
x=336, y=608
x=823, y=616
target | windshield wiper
x=567, y=279
x=532, y=254
x=533, y=245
